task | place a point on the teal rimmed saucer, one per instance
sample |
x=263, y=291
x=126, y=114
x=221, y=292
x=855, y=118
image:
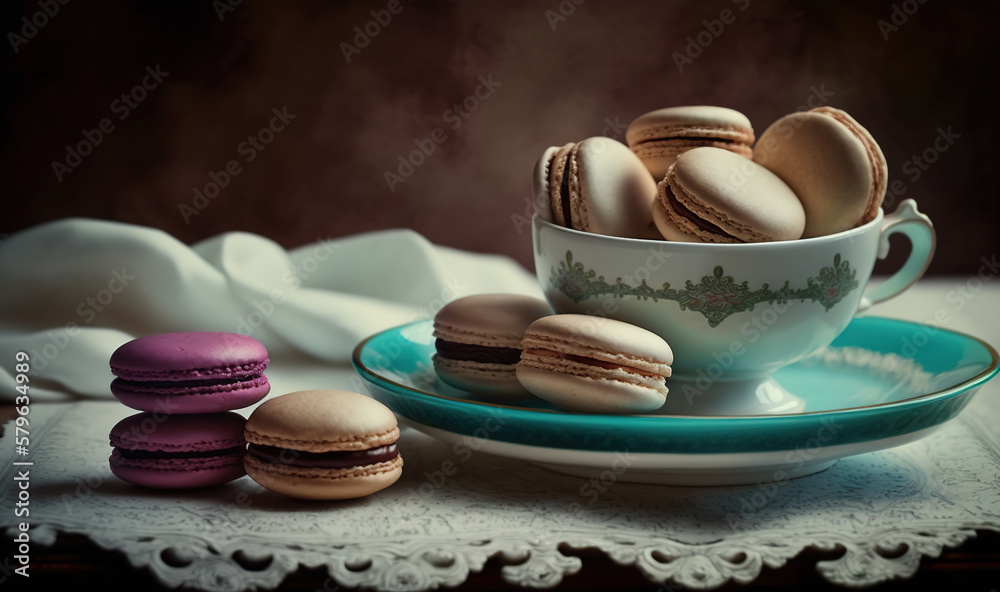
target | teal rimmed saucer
x=881, y=383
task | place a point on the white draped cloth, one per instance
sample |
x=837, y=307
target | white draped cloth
x=73, y=290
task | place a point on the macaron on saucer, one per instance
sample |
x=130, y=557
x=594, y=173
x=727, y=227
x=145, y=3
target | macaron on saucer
x=595, y=364
x=323, y=445
x=660, y=136
x=192, y=372
x=178, y=451
x=863, y=393
x=479, y=342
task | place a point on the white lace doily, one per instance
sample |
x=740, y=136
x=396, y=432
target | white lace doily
x=454, y=508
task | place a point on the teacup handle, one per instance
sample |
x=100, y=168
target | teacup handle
x=918, y=228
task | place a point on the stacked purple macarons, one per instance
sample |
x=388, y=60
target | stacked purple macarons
x=186, y=386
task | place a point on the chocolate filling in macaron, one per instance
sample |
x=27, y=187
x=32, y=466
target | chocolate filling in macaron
x=478, y=342
x=252, y=380
x=701, y=223
x=477, y=353
x=136, y=454
x=337, y=459
x=597, y=185
x=323, y=445
x=713, y=195
x=564, y=196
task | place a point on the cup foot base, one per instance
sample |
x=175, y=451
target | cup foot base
x=754, y=396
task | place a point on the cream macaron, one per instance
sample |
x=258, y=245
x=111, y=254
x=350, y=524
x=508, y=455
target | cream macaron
x=323, y=445
x=478, y=342
x=714, y=195
x=660, y=136
x=595, y=364
x=831, y=162
x=596, y=185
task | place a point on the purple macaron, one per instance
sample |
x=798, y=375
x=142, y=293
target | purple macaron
x=178, y=451
x=195, y=372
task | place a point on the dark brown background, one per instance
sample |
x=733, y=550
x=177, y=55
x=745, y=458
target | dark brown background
x=605, y=63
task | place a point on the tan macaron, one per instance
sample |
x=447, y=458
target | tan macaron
x=478, y=342
x=595, y=364
x=831, y=162
x=597, y=185
x=714, y=195
x=660, y=136
x=323, y=445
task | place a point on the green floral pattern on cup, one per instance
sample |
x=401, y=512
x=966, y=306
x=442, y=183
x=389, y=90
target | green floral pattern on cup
x=716, y=296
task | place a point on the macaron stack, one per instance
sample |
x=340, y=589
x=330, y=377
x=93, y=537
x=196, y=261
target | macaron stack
x=697, y=174
x=324, y=445
x=187, y=386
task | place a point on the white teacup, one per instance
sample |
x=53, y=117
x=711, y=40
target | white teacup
x=733, y=313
